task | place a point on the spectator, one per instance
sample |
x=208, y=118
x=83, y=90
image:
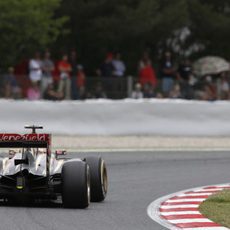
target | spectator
x=159, y=95
x=185, y=76
x=80, y=77
x=106, y=71
x=148, y=91
x=51, y=94
x=21, y=73
x=118, y=65
x=33, y=93
x=212, y=87
x=147, y=73
x=48, y=68
x=11, y=87
x=99, y=92
x=185, y=69
x=73, y=75
x=224, y=88
x=107, y=68
x=175, y=92
x=35, y=68
x=81, y=84
x=118, y=73
x=208, y=92
x=82, y=93
x=64, y=69
x=168, y=74
x=137, y=93
x=145, y=58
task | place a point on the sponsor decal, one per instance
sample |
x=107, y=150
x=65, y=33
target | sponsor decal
x=25, y=137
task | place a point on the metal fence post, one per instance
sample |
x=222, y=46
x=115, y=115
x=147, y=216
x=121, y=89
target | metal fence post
x=129, y=85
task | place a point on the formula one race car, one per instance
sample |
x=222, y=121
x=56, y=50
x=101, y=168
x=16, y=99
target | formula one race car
x=32, y=172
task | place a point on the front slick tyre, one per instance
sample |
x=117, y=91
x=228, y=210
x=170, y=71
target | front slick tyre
x=75, y=184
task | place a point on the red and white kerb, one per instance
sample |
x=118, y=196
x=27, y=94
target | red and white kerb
x=181, y=210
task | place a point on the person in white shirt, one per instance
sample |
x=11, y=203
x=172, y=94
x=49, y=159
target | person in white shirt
x=35, y=68
x=119, y=66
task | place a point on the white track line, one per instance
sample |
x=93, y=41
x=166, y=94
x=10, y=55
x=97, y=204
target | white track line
x=180, y=206
x=179, y=213
x=185, y=200
x=196, y=194
x=185, y=221
x=169, y=218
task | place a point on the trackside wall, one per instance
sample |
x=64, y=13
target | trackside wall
x=122, y=117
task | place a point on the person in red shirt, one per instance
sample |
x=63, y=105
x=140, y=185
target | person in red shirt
x=64, y=69
x=147, y=73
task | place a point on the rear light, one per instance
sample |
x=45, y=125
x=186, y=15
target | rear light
x=20, y=183
x=60, y=153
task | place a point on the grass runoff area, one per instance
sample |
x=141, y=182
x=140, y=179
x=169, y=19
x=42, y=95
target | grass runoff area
x=217, y=208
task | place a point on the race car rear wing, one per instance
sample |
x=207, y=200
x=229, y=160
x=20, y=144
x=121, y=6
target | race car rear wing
x=9, y=140
x=32, y=140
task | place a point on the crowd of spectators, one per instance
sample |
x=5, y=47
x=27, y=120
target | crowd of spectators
x=43, y=78
x=66, y=79
x=178, y=81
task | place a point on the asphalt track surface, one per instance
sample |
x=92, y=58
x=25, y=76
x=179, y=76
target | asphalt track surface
x=135, y=180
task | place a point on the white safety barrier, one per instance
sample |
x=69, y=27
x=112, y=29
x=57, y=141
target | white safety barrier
x=122, y=117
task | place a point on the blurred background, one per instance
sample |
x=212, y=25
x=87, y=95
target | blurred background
x=62, y=50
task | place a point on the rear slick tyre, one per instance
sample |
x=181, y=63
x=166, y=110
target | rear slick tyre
x=75, y=185
x=98, y=178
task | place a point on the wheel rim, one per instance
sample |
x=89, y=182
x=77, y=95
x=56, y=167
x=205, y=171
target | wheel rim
x=88, y=185
x=104, y=178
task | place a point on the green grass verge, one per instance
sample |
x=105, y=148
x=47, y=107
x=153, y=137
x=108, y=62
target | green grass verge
x=217, y=208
